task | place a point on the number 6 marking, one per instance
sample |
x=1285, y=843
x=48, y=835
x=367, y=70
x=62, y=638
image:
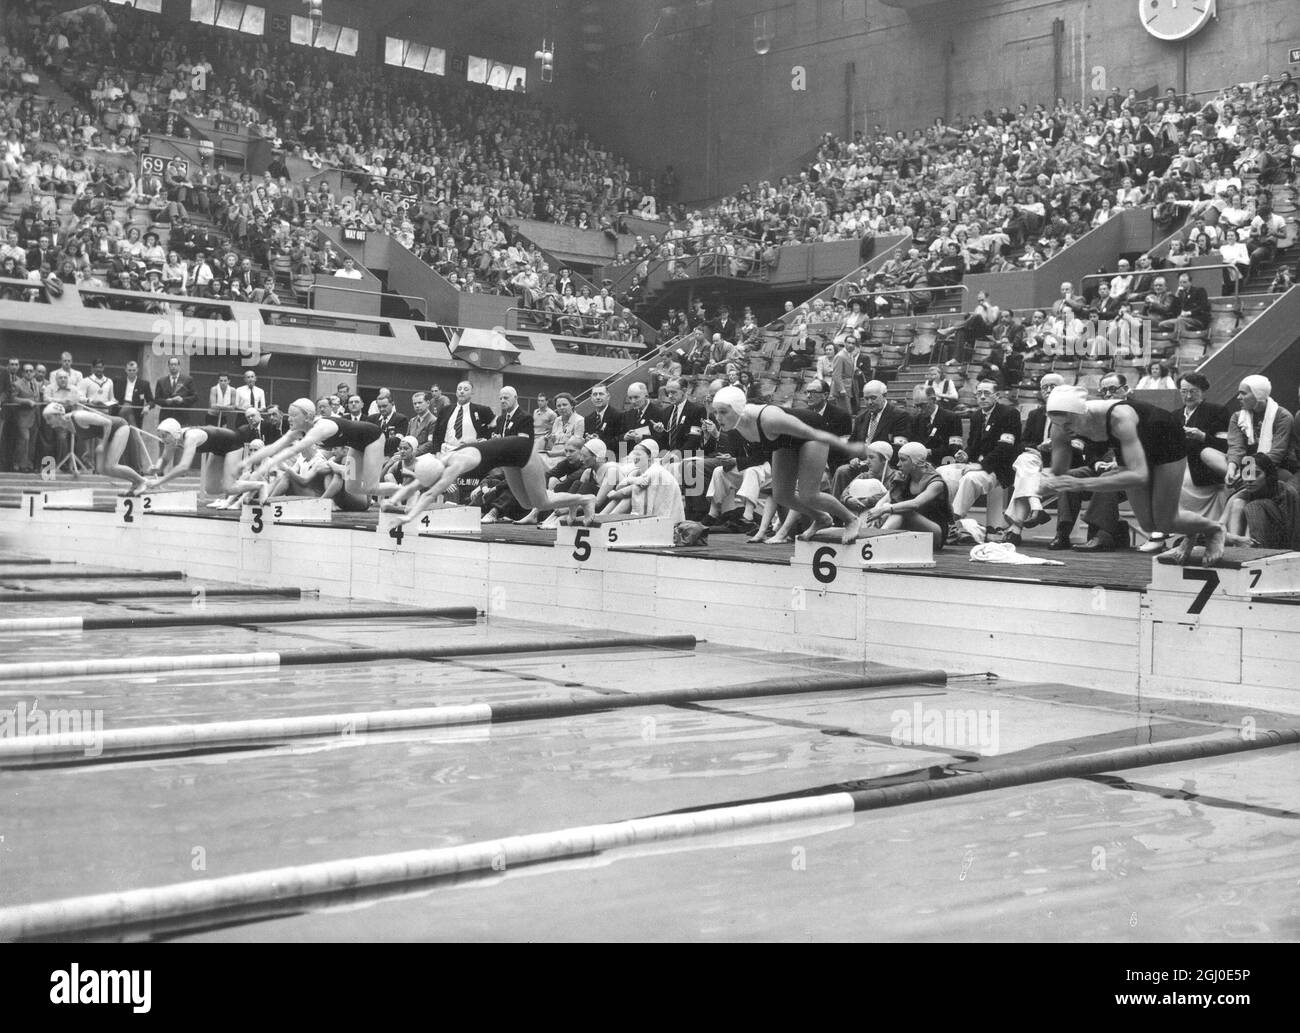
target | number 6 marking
x=823, y=567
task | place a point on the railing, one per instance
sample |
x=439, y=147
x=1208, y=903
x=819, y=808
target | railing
x=18, y=285
x=947, y=288
x=600, y=323
x=408, y=298
x=632, y=265
x=1176, y=270
x=650, y=353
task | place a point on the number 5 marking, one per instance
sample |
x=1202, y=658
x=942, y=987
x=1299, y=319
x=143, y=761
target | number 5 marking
x=581, y=545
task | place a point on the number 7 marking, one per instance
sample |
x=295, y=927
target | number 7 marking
x=1211, y=579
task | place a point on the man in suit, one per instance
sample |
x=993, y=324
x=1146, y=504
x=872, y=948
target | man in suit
x=513, y=421
x=641, y=419
x=462, y=423
x=42, y=253
x=10, y=374
x=24, y=400
x=248, y=395
x=880, y=420
x=221, y=403
x=420, y=425
x=844, y=379
x=725, y=326
x=175, y=393
x=1192, y=307
x=838, y=421
x=985, y=465
x=685, y=422
x=246, y=283
x=391, y=422
x=133, y=394
x=938, y=429
x=602, y=423
x=437, y=400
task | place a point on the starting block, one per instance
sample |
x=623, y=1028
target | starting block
x=131, y=507
x=440, y=520
x=616, y=532
x=37, y=499
x=825, y=556
x=1241, y=574
x=286, y=510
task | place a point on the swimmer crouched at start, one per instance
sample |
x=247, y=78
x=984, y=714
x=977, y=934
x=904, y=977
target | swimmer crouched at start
x=523, y=468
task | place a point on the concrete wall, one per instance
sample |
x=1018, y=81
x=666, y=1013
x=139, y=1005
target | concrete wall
x=705, y=102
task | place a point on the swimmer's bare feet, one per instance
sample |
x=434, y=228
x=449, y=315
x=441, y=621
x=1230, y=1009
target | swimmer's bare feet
x=779, y=539
x=851, y=531
x=759, y=538
x=1182, y=553
x=1214, y=546
x=388, y=506
x=820, y=524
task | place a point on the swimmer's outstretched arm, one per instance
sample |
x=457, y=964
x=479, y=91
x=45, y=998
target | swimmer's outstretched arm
x=284, y=448
x=452, y=470
x=1133, y=474
x=782, y=423
x=189, y=444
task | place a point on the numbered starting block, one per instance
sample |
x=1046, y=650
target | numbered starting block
x=287, y=510
x=617, y=532
x=131, y=507
x=36, y=500
x=1241, y=574
x=824, y=556
x=444, y=519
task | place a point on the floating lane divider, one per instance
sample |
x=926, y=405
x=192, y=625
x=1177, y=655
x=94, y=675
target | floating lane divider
x=97, y=575
x=313, y=657
x=159, y=739
x=32, y=561
x=210, y=617
x=285, y=886
x=90, y=595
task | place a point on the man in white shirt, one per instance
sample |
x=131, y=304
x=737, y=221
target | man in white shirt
x=249, y=395
x=462, y=423
x=96, y=389
x=349, y=270
x=221, y=403
x=74, y=376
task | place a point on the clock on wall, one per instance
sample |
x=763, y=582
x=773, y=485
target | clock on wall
x=1175, y=19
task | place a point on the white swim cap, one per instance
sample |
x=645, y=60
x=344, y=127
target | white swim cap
x=914, y=451
x=305, y=405
x=411, y=441
x=883, y=449
x=732, y=398
x=1069, y=398
x=427, y=470
x=597, y=448
x=54, y=409
x=650, y=446
x=1260, y=387
x=169, y=426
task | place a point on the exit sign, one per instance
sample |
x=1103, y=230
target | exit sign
x=1293, y=55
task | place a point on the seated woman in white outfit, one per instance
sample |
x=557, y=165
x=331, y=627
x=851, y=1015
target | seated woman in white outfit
x=647, y=489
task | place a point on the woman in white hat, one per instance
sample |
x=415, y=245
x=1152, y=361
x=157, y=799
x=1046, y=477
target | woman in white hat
x=647, y=489
x=523, y=467
x=918, y=498
x=364, y=441
x=113, y=433
x=1152, y=451
x=222, y=451
x=798, y=446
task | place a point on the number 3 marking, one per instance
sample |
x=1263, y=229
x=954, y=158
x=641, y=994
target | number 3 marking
x=257, y=520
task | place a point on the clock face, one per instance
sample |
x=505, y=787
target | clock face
x=1174, y=19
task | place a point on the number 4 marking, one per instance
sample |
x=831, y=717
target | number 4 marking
x=1211, y=579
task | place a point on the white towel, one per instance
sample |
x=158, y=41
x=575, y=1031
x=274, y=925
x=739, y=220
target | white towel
x=1005, y=552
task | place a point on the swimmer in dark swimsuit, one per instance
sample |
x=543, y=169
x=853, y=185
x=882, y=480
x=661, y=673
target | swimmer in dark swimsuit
x=222, y=451
x=525, y=474
x=114, y=435
x=365, y=443
x=798, y=448
x=1152, y=450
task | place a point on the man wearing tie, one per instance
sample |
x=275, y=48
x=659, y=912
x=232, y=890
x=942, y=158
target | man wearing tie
x=881, y=420
x=462, y=423
x=420, y=426
x=685, y=420
x=175, y=393
x=134, y=395
x=514, y=422
x=391, y=422
x=642, y=419
x=603, y=421
x=221, y=403
x=939, y=429
x=248, y=395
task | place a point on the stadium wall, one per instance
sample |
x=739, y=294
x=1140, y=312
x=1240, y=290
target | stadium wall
x=691, y=90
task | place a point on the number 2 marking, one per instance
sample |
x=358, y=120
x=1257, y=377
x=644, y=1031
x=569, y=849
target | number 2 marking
x=128, y=505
